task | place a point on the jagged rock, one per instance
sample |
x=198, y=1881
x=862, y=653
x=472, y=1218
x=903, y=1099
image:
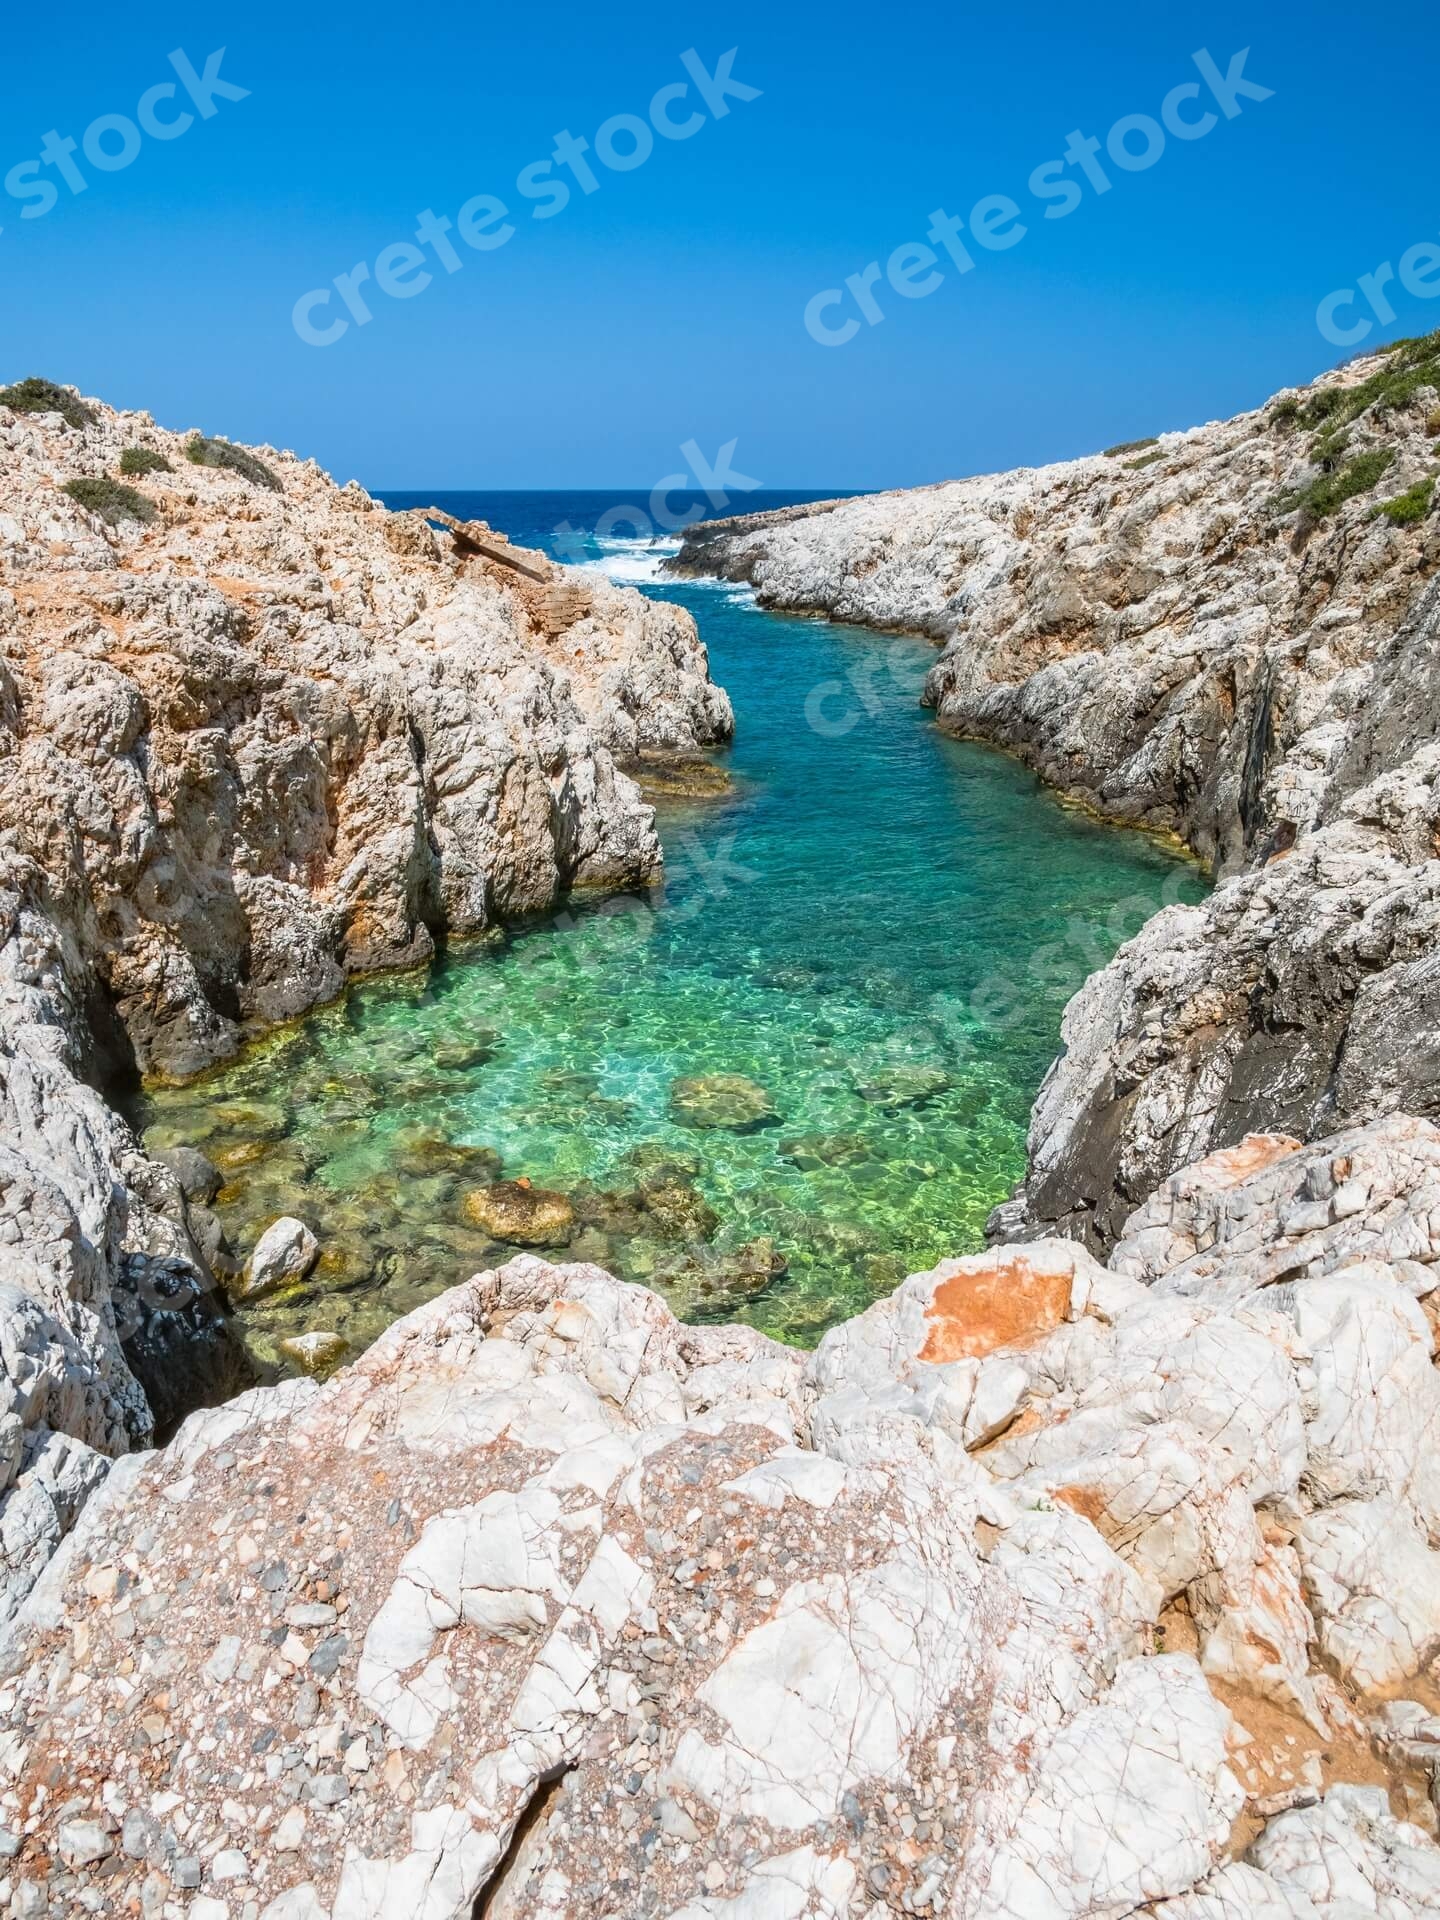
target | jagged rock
x=546, y=1614
x=717, y=1627
x=348, y=746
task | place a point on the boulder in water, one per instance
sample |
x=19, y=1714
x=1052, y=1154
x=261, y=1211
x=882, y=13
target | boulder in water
x=810, y=1150
x=421, y=1153
x=464, y=1052
x=904, y=1085
x=200, y=1179
x=728, y=1101
x=677, y=1211
x=658, y=1158
x=317, y=1353
x=284, y=1254
x=522, y=1215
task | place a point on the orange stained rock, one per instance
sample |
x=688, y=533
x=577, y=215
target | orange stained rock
x=1003, y=1300
x=1255, y=1153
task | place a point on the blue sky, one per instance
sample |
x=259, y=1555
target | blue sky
x=668, y=305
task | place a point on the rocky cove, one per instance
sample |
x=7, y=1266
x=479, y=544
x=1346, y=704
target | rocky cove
x=1093, y=1574
x=793, y=1070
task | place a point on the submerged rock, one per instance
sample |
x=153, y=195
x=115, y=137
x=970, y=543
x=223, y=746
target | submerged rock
x=317, y=1353
x=659, y=1157
x=720, y=1279
x=463, y=1053
x=907, y=1084
x=425, y=1153
x=237, y=1156
x=810, y=1150
x=680, y=779
x=678, y=1211
x=727, y=1101
x=284, y=1254
x=522, y=1215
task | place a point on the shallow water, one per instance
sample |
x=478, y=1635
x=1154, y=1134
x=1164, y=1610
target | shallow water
x=877, y=926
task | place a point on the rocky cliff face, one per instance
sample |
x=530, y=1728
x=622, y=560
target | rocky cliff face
x=1042, y=1588
x=256, y=734
x=1229, y=637
x=277, y=736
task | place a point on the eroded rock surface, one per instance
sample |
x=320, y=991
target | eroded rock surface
x=276, y=737
x=1042, y=1588
x=1175, y=641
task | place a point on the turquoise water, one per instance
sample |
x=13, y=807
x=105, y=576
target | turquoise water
x=876, y=926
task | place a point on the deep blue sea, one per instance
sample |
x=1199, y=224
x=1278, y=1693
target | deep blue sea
x=874, y=932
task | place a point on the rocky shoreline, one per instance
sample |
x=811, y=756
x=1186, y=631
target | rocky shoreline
x=257, y=735
x=1231, y=634
x=1044, y=1587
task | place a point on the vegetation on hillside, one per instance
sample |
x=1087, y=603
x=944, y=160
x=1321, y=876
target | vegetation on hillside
x=1320, y=497
x=137, y=460
x=1411, y=506
x=111, y=501
x=43, y=396
x=225, y=454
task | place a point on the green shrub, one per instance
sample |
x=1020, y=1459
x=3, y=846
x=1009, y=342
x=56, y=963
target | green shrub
x=43, y=396
x=1432, y=425
x=111, y=501
x=1412, y=505
x=1320, y=406
x=1145, y=460
x=1331, y=490
x=1328, y=449
x=144, y=460
x=1286, y=412
x=233, y=459
x=1408, y=365
x=1130, y=446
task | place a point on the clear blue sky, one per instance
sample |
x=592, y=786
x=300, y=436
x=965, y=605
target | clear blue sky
x=668, y=305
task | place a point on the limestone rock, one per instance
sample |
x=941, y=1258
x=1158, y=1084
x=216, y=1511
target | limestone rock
x=278, y=738
x=512, y=1571
x=545, y=1560
x=283, y=1255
